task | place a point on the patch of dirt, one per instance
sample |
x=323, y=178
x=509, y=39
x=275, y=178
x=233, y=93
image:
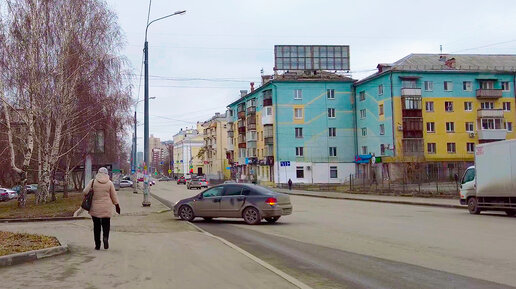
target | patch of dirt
x=12, y=243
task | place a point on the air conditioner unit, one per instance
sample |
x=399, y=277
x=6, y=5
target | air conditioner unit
x=400, y=127
x=471, y=134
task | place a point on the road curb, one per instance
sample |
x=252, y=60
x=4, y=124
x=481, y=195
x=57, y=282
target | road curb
x=262, y=263
x=381, y=201
x=49, y=219
x=34, y=255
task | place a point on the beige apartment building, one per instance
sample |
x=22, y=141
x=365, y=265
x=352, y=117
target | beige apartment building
x=187, y=145
x=215, y=148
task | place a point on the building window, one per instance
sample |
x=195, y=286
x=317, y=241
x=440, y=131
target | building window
x=466, y=86
x=487, y=105
x=430, y=127
x=300, y=172
x=448, y=86
x=469, y=127
x=412, y=103
x=298, y=94
x=382, y=149
x=333, y=151
x=450, y=147
x=470, y=147
x=507, y=106
x=382, y=129
x=330, y=93
x=506, y=86
x=408, y=83
x=364, y=150
x=298, y=113
x=429, y=86
x=299, y=132
x=429, y=106
x=450, y=127
x=268, y=110
x=487, y=84
x=508, y=126
x=380, y=109
x=299, y=151
x=364, y=131
x=380, y=89
x=363, y=113
x=448, y=106
x=431, y=147
x=332, y=131
x=468, y=106
x=331, y=112
x=333, y=172
x=491, y=123
x=362, y=95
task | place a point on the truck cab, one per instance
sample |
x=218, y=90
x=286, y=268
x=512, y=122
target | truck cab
x=467, y=185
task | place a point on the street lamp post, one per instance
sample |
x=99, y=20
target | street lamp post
x=135, y=146
x=146, y=200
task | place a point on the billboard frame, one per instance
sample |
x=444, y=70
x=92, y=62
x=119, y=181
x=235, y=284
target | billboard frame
x=311, y=57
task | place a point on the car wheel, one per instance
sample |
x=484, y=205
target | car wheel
x=272, y=220
x=251, y=216
x=473, y=206
x=207, y=219
x=186, y=213
x=510, y=213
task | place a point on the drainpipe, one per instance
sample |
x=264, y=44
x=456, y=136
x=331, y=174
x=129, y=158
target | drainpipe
x=275, y=105
x=392, y=118
x=514, y=90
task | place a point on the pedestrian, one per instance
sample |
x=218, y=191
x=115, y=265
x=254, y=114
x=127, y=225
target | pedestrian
x=104, y=197
x=289, y=184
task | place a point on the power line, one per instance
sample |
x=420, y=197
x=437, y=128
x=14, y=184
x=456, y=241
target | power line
x=484, y=46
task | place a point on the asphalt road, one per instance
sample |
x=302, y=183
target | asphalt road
x=348, y=244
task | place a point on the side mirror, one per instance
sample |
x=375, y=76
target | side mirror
x=456, y=177
x=199, y=196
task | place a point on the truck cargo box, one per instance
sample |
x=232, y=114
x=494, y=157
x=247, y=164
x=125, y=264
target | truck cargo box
x=496, y=169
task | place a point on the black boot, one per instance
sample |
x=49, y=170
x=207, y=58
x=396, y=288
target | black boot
x=97, y=246
x=106, y=243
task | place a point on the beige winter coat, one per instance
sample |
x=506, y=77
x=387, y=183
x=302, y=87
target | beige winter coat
x=104, y=196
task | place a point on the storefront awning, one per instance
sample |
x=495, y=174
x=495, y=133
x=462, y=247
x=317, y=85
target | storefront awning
x=362, y=159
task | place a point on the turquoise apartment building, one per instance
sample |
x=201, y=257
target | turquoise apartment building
x=297, y=126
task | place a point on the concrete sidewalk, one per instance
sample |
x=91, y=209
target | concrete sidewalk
x=149, y=248
x=436, y=202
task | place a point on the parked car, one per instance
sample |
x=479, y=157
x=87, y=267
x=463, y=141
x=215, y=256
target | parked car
x=248, y=201
x=165, y=179
x=32, y=188
x=181, y=180
x=194, y=183
x=126, y=184
x=204, y=183
x=4, y=195
x=11, y=194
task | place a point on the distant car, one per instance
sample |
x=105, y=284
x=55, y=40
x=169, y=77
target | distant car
x=181, y=180
x=194, y=183
x=229, y=182
x=4, y=195
x=204, y=183
x=12, y=194
x=165, y=179
x=126, y=184
x=126, y=178
x=248, y=201
x=32, y=188
x=140, y=179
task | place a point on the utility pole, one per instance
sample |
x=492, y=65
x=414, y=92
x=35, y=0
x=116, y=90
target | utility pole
x=135, y=155
x=146, y=200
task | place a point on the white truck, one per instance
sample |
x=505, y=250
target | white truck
x=490, y=185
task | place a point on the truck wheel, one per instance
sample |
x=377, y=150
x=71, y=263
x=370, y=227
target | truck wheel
x=473, y=206
x=510, y=213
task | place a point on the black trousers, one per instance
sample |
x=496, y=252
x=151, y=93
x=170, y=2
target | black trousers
x=105, y=223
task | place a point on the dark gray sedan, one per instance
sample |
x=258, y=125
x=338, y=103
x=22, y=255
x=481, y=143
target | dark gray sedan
x=250, y=202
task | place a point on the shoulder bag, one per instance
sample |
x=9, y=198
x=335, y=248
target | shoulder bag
x=88, y=199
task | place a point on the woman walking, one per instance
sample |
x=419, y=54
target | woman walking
x=104, y=197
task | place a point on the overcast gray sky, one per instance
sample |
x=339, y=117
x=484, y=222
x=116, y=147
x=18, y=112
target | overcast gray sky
x=199, y=61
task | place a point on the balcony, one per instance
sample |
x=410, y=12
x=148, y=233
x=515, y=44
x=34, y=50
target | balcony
x=251, y=136
x=268, y=151
x=251, y=144
x=493, y=113
x=267, y=102
x=231, y=133
x=230, y=146
x=251, y=110
x=411, y=92
x=241, y=114
x=267, y=118
x=492, y=134
x=241, y=129
x=268, y=140
x=489, y=93
x=251, y=126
